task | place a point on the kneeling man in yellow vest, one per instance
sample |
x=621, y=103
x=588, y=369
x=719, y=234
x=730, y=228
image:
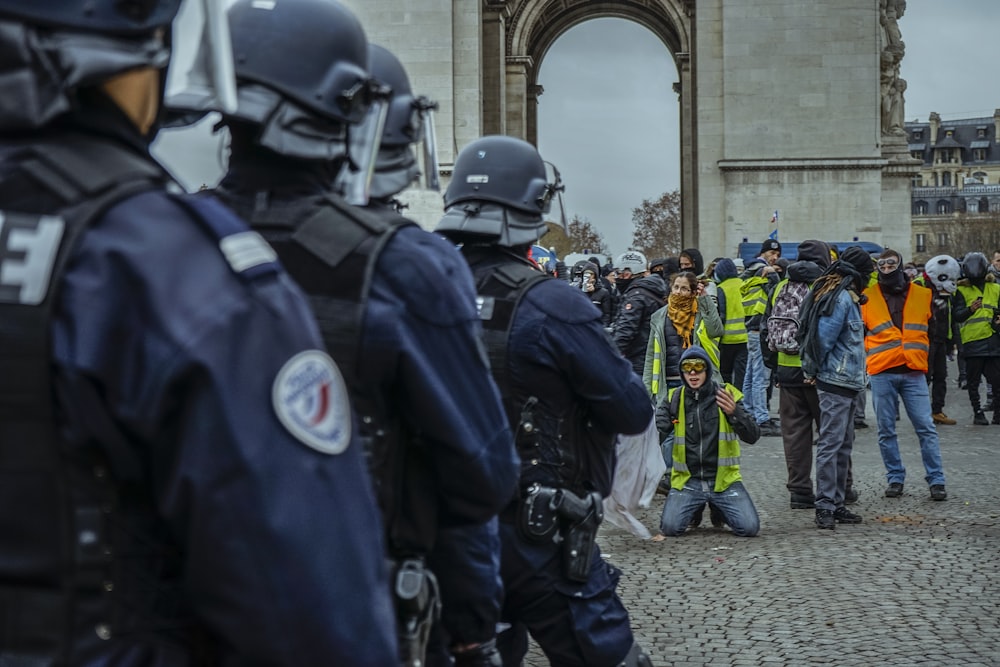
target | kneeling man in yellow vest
x=707, y=421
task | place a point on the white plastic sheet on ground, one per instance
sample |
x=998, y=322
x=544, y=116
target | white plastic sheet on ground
x=639, y=469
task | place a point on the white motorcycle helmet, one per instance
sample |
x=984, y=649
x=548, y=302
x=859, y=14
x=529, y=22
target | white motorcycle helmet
x=943, y=272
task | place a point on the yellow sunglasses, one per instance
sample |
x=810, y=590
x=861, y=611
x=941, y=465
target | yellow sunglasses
x=693, y=366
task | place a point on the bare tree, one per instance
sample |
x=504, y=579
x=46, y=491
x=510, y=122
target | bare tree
x=972, y=232
x=582, y=237
x=658, y=225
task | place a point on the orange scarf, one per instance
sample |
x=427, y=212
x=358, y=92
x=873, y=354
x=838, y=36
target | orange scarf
x=682, y=310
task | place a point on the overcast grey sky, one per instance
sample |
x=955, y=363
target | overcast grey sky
x=608, y=118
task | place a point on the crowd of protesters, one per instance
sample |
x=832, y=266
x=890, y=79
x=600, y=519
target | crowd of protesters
x=825, y=330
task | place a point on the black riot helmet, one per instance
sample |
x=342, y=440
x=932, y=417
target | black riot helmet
x=409, y=121
x=499, y=193
x=312, y=52
x=503, y=170
x=106, y=17
x=975, y=265
x=54, y=48
x=302, y=78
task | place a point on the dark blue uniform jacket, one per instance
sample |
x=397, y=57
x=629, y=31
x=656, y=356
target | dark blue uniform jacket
x=193, y=380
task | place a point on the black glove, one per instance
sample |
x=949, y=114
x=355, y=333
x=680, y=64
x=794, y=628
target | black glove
x=483, y=655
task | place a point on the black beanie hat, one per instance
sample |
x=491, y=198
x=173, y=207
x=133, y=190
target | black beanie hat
x=859, y=259
x=770, y=244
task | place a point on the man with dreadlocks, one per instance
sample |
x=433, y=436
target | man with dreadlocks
x=831, y=339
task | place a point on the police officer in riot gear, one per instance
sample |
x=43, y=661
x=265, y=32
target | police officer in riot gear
x=181, y=482
x=465, y=559
x=567, y=392
x=395, y=304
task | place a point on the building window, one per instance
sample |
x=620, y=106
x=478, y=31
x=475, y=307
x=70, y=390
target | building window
x=981, y=132
x=982, y=177
x=943, y=206
x=920, y=208
x=917, y=155
x=918, y=134
x=921, y=242
x=972, y=206
x=984, y=205
x=979, y=154
x=946, y=179
x=942, y=239
x=917, y=181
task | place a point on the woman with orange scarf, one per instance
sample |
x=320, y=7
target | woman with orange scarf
x=690, y=317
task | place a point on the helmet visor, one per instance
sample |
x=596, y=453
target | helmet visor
x=363, y=139
x=429, y=165
x=201, y=76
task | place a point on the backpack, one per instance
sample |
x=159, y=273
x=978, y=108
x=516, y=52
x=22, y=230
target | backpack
x=783, y=323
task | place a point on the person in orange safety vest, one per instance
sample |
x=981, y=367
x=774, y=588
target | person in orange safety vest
x=896, y=317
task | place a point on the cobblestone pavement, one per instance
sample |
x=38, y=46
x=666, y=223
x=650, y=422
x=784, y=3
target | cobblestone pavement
x=916, y=584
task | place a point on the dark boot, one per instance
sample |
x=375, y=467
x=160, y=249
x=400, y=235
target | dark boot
x=801, y=501
x=825, y=520
x=978, y=416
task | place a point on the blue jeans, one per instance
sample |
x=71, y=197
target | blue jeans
x=888, y=389
x=734, y=503
x=833, y=448
x=755, y=381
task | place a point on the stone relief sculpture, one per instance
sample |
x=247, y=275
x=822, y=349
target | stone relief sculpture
x=890, y=84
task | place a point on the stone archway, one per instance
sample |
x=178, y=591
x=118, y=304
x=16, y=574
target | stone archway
x=780, y=103
x=518, y=34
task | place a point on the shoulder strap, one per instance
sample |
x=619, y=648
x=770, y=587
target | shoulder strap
x=500, y=290
x=331, y=250
x=82, y=178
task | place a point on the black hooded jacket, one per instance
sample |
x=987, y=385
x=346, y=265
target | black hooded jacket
x=699, y=262
x=701, y=429
x=643, y=297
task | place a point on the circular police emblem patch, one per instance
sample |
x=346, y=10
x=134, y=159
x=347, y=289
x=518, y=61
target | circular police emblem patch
x=310, y=399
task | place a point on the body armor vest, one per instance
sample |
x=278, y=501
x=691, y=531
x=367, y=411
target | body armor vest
x=65, y=516
x=547, y=443
x=331, y=249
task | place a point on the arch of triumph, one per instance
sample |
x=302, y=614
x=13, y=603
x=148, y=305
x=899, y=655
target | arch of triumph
x=794, y=105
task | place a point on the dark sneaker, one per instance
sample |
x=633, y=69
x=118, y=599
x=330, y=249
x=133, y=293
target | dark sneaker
x=716, y=516
x=942, y=418
x=844, y=515
x=800, y=502
x=938, y=492
x=769, y=430
x=895, y=490
x=850, y=497
x=980, y=419
x=696, y=519
x=825, y=520
x=663, y=487
x=860, y=423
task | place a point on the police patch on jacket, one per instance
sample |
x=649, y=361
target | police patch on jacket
x=310, y=399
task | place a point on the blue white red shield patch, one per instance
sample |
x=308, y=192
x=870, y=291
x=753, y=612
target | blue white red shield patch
x=310, y=399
